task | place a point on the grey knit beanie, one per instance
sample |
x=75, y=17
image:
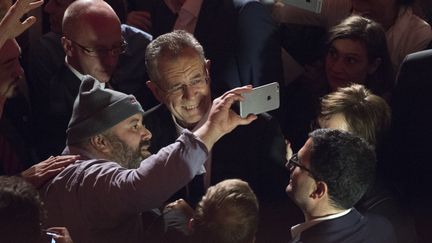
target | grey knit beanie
x=96, y=110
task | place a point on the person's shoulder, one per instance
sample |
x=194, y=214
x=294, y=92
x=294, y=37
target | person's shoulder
x=249, y=6
x=421, y=56
x=132, y=32
x=379, y=228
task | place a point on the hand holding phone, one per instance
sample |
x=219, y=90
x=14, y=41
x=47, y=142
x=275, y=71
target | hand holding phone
x=262, y=99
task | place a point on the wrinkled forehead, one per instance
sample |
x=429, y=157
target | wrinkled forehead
x=186, y=64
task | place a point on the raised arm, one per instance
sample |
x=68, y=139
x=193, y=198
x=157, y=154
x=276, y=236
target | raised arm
x=11, y=25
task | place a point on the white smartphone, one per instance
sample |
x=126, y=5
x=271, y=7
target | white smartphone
x=310, y=5
x=261, y=99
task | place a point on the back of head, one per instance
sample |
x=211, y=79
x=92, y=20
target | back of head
x=345, y=162
x=170, y=45
x=372, y=35
x=366, y=114
x=228, y=213
x=20, y=211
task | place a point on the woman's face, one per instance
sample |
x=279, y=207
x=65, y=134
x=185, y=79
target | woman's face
x=347, y=62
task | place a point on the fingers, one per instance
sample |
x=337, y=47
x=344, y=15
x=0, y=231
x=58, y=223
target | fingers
x=35, y=4
x=48, y=174
x=245, y=121
x=239, y=91
x=27, y=23
x=59, y=161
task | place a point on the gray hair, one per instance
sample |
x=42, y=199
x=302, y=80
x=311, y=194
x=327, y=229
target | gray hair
x=170, y=45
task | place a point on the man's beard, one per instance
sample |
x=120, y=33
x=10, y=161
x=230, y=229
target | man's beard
x=125, y=155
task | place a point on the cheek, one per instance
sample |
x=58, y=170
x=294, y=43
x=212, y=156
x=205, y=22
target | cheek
x=358, y=73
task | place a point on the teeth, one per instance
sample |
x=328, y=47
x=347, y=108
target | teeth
x=190, y=107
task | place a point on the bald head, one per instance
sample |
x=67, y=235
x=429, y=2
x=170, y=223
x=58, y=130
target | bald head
x=92, y=38
x=95, y=15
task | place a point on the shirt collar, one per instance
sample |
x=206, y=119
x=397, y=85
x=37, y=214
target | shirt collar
x=296, y=230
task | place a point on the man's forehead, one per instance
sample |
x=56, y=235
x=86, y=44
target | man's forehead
x=173, y=69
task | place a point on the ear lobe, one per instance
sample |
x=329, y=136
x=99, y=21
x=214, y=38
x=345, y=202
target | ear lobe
x=207, y=65
x=67, y=46
x=191, y=224
x=155, y=91
x=374, y=66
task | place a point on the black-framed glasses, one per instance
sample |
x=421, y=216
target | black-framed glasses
x=103, y=52
x=294, y=162
x=179, y=89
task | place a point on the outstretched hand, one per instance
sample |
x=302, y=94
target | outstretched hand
x=39, y=173
x=222, y=119
x=11, y=25
x=180, y=205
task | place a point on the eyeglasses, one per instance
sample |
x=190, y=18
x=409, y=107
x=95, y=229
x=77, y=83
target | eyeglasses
x=103, y=52
x=178, y=89
x=294, y=162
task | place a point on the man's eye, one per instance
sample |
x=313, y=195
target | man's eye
x=351, y=60
x=195, y=82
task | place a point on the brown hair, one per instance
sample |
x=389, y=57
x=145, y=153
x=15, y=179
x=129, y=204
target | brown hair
x=367, y=115
x=227, y=213
x=372, y=35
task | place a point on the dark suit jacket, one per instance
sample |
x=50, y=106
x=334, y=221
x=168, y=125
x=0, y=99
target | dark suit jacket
x=410, y=166
x=350, y=228
x=254, y=153
x=238, y=36
x=411, y=128
x=53, y=111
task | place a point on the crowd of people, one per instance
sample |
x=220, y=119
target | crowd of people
x=117, y=124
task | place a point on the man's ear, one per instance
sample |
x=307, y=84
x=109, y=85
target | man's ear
x=191, y=224
x=154, y=89
x=320, y=191
x=374, y=65
x=207, y=65
x=67, y=46
x=100, y=143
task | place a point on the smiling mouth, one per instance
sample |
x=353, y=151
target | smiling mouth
x=190, y=107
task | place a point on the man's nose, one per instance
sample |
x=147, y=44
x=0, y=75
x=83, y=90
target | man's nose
x=146, y=134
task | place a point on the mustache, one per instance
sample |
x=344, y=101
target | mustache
x=145, y=143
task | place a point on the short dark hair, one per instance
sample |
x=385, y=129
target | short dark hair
x=345, y=162
x=20, y=211
x=227, y=213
